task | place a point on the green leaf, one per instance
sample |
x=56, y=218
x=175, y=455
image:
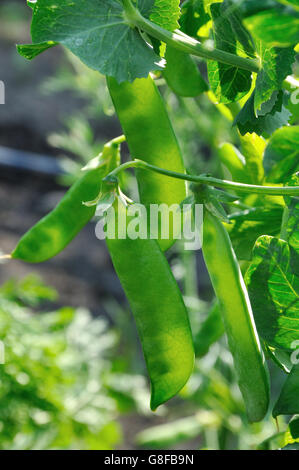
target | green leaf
x=281, y=158
x=274, y=27
x=294, y=427
x=212, y=199
x=30, y=51
x=274, y=442
x=273, y=285
x=229, y=83
x=251, y=7
x=97, y=33
x=193, y=17
x=166, y=13
x=291, y=223
x=222, y=196
x=234, y=161
x=253, y=147
x=276, y=66
x=288, y=401
x=292, y=228
x=265, y=125
x=247, y=226
x=280, y=358
x=292, y=3
x=294, y=446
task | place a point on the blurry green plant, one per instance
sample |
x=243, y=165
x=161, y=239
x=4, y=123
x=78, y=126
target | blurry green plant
x=58, y=386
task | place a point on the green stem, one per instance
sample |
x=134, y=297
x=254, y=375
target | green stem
x=118, y=140
x=208, y=180
x=186, y=43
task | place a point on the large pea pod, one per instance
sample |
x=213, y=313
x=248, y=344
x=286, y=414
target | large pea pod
x=182, y=75
x=56, y=230
x=150, y=137
x=238, y=318
x=158, y=309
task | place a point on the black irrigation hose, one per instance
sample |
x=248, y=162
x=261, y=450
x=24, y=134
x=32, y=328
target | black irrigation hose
x=30, y=162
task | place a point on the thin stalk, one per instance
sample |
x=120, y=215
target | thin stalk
x=208, y=180
x=185, y=43
x=118, y=140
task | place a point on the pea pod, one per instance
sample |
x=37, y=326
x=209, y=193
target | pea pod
x=159, y=312
x=150, y=137
x=182, y=75
x=238, y=319
x=57, y=229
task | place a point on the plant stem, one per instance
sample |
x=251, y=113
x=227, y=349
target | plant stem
x=208, y=180
x=186, y=43
x=118, y=140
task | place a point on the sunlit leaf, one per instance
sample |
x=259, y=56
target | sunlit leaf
x=273, y=285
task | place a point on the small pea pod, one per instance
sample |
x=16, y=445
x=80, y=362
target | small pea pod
x=182, y=75
x=158, y=309
x=57, y=229
x=238, y=319
x=150, y=137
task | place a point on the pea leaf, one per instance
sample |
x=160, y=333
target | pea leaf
x=275, y=27
x=97, y=33
x=280, y=358
x=288, y=401
x=193, y=17
x=229, y=83
x=294, y=427
x=234, y=162
x=273, y=285
x=292, y=3
x=30, y=51
x=251, y=7
x=166, y=13
x=253, y=147
x=265, y=125
x=247, y=226
x=276, y=66
x=294, y=446
x=281, y=158
x=292, y=226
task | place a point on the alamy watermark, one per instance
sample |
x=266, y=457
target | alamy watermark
x=2, y=92
x=155, y=222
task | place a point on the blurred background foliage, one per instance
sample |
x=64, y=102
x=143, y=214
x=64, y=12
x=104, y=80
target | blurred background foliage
x=75, y=380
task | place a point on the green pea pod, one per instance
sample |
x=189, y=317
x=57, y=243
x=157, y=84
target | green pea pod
x=182, y=74
x=158, y=309
x=150, y=137
x=238, y=319
x=57, y=229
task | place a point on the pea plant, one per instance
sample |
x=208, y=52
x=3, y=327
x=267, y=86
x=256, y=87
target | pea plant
x=250, y=239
